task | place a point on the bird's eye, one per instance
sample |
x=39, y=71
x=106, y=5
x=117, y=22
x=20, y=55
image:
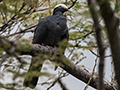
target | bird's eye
x=60, y=6
x=57, y=23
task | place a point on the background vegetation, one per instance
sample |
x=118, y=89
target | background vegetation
x=18, y=19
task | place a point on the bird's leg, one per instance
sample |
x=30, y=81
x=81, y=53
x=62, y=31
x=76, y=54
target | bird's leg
x=48, y=46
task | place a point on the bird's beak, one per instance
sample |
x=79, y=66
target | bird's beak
x=67, y=9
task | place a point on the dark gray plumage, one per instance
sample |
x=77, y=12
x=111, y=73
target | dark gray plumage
x=49, y=31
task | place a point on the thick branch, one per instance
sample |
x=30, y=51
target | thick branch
x=36, y=48
x=101, y=49
x=81, y=73
x=67, y=65
x=112, y=25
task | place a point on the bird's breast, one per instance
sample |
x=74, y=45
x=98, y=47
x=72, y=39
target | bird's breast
x=57, y=27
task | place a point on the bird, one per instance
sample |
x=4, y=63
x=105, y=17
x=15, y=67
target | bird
x=49, y=32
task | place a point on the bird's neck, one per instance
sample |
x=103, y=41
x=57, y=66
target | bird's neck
x=58, y=12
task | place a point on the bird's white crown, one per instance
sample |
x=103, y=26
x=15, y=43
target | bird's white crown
x=62, y=5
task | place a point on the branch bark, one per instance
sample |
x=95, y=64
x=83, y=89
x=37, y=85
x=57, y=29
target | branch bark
x=92, y=5
x=80, y=73
x=112, y=26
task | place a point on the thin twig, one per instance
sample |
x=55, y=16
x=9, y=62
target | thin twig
x=61, y=75
x=23, y=31
x=91, y=74
x=9, y=65
x=72, y=4
x=3, y=59
x=12, y=18
x=88, y=34
x=62, y=85
x=99, y=55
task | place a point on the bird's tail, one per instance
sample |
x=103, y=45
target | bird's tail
x=33, y=73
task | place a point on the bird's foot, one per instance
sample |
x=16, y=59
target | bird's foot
x=48, y=46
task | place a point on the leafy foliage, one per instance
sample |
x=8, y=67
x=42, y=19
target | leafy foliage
x=16, y=16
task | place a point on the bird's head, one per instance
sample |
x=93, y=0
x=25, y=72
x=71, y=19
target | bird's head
x=60, y=8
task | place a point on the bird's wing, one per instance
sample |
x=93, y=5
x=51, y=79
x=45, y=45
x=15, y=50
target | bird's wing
x=65, y=35
x=40, y=32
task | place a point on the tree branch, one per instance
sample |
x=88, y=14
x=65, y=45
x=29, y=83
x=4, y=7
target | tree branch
x=92, y=5
x=112, y=26
x=62, y=84
x=67, y=65
x=72, y=4
x=12, y=18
